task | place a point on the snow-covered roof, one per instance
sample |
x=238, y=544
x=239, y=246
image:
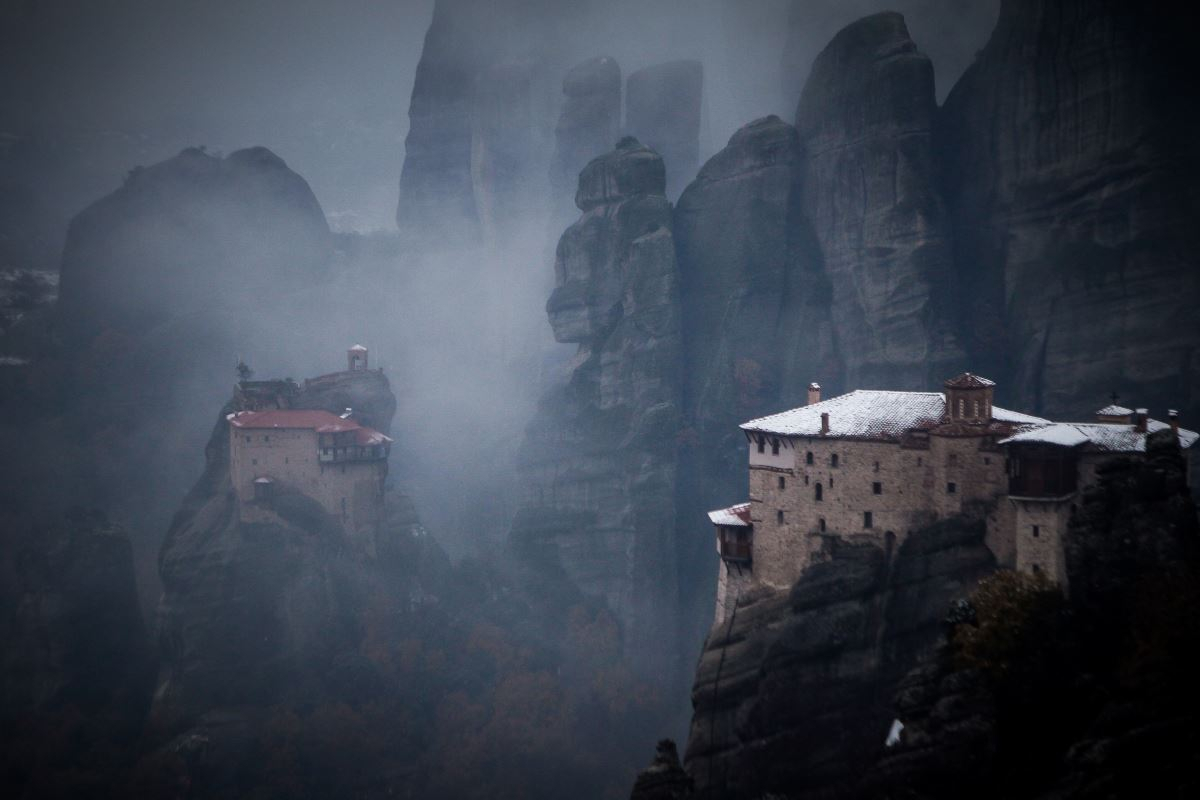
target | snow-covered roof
x=870, y=414
x=1099, y=436
x=969, y=381
x=735, y=516
x=358, y=348
x=1114, y=411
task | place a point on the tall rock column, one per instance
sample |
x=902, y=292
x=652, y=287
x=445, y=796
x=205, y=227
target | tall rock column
x=757, y=327
x=1071, y=168
x=589, y=121
x=662, y=108
x=865, y=120
x=599, y=459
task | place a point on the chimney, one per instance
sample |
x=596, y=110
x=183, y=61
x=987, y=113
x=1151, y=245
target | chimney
x=814, y=393
x=824, y=422
x=1139, y=420
x=1173, y=418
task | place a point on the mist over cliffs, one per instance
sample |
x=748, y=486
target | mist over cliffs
x=606, y=234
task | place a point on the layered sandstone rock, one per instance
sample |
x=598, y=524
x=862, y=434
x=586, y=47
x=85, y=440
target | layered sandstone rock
x=865, y=121
x=662, y=108
x=598, y=461
x=792, y=695
x=1070, y=168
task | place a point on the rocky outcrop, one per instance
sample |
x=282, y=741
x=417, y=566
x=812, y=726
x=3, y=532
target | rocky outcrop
x=1037, y=695
x=866, y=122
x=254, y=614
x=1070, y=168
x=665, y=778
x=598, y=461
x=481, y=119
x=73, y=632
x=662, y=108
x=756, y=316
x=589, y=122
x=186, y=237
x=793, y=694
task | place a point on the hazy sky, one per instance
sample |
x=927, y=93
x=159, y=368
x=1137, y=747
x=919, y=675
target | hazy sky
x=326, y=84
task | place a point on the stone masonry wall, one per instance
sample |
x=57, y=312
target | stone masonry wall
x=913, y=492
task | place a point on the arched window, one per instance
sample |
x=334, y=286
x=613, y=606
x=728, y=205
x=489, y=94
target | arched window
x=833, y=460
x=817, y=493
x=808, y=457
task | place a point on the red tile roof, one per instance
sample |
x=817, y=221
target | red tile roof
x=306, y=419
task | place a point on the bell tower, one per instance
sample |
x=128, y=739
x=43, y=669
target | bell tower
x=969, y=399
x=356, y=358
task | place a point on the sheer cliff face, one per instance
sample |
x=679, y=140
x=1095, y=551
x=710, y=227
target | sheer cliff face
x=865, y=121
x=481, y=118
x=1070, y=167
x=793, y=694
x=598, y=461
x=255, y=614
x=588, y=123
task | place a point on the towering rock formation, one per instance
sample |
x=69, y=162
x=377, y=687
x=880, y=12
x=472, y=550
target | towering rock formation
x=1071, y=168
x=589, y=122
x=481, y=117
x=598, y=462
x=755, y=312
x=865, y=121
x=662, y=108
x=259, y=613
x=188, y=236
x=793, y=694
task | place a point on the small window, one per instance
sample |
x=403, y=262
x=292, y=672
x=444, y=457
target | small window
x=821, y=524
x=920, y=461
x=782, y=482
x=868, y=519
x=1036, y=531
x=961, y=407
x=1037, y=570
x=833, y=460
x=254, y=462
x=986, y=460
x=877, y=466
x=951, y=488
x=876, y=488
x=762, y=445
x=817, y=493
x=266, y=438
x=808, y=457
x=247, y=439
x=779, y=517
x=774, y=447
x=975, y=408
x=830, y=481
x=806, y=480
